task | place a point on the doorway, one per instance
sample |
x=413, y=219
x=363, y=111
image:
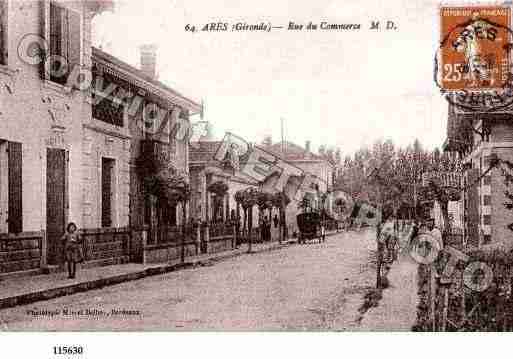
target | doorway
x=4, y=187
x=56, y=202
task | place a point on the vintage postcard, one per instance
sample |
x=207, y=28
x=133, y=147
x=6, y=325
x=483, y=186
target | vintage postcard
x=284, y=166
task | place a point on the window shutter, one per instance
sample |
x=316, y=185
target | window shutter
x=3, y=32
x=42, y=29
x=57, y=25
x=15, y=221
x=64, y=14
x=73, y=40
x=55, y=29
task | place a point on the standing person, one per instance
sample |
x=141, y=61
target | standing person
x=261, y=228
x=276, y=221
x=322, y=238
x=73, y=252
x=414, y=232
x=267, y=229
x=435, y=232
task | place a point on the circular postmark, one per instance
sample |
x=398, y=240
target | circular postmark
x=478, y=276
x=425, y=249
x=472, y=66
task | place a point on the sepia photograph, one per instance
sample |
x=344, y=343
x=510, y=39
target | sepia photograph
x=271, y=166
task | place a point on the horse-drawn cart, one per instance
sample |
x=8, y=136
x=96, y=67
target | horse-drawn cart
x=309, y=226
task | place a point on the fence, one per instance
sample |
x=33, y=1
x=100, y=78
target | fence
x=447, y=179
x=245, y=235
x=221, y=237
x=220, y=230
x=20, y=252
x=472, y=299
x=106, y=243
x=171, y=234
x=165, y=243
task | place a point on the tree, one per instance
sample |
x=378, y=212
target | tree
x=239, y=198
x=306, y=202
x=338, y=156
x=162, y=180
x=264, y=201
x=247, y=199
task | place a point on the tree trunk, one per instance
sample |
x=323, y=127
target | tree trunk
x=285, y=230
x=379, y=256
x=250, y=227
x=280, y=225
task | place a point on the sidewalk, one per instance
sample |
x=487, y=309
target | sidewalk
x=397, y=310
x=30, y=289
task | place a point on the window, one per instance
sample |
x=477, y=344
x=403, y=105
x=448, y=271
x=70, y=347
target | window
x=109, y=112
x=109, y=109
x=10, y=187
x=3, y=32
x=64, y=41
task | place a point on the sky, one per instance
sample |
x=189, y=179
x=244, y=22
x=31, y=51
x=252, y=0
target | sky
x=341, y=89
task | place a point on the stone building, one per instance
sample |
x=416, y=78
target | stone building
x=41, y=117
x=205, y=171
x=321, y=167
x=154, y=118
x=485, y=217
x=316, y=164
x=71, y=124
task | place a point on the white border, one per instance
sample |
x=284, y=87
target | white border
x=257, y=345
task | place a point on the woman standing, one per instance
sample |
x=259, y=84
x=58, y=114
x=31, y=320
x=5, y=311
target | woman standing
x=73, y=252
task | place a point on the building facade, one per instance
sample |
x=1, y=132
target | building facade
x=486, y=219
x=155, y=119
x=322, y=168
x=204, y=172
x=71, y=126
x=41, y=117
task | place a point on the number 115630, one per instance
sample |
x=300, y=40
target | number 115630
x=68, y=350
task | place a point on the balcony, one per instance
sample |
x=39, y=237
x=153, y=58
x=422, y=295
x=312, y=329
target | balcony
x=155, y=151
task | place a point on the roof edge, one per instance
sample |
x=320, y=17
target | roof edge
x=151, y=85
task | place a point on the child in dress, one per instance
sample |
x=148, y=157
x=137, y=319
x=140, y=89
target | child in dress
x=73, y=252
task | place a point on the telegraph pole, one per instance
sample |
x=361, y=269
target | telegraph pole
x=282, y=137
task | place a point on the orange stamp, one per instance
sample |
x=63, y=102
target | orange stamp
x=475, y=46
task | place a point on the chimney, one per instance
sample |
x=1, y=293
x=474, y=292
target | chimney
x=149, y=60
x=307, y=147
x=268, y=140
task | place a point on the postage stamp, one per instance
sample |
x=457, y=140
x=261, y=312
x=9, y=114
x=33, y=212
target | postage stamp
x=473, y=62
x=474, y=47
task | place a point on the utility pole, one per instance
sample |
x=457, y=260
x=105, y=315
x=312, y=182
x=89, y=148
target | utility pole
x=379, y=254
x=282, y=137
x=379, y=246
